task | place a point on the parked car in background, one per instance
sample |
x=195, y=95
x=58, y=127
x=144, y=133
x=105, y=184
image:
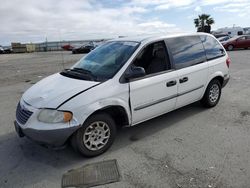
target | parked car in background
x=67, y=47
x=83, y=49
x=123, y=82
x=1, y=50
x=7, y=50
x=221, y=35
x=242, y=41
x=224, y=39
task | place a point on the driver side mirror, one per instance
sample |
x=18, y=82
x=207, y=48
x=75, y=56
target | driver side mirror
x=135, y=72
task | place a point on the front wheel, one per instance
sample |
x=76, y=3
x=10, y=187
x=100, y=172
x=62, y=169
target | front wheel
x=212, y=94
x=95, y=136
x=230, y=47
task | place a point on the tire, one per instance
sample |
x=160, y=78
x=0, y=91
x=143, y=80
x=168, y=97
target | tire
x=95, y=136
x=230, y=47
x=212, y=94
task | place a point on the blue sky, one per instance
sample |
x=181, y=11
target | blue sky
x=34, y=21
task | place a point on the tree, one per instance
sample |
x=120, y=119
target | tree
x=203, y=23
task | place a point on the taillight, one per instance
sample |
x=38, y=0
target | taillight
x=228, y=62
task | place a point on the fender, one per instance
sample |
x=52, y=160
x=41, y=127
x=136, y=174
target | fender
x=83, y=112
x=211, y=77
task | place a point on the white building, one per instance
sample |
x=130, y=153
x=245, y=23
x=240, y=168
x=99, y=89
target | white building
x=247, y=30
x=232, y=31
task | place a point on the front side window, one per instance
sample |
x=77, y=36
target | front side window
x=153, y=58
x=105, y=61
x=186, y=51
x=212, y=47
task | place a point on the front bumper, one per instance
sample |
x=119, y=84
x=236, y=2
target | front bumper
x=55, y=134
x=53, y=138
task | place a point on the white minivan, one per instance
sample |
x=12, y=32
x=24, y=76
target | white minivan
x=122, y=83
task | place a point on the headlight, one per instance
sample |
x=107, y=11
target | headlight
x=54, y=116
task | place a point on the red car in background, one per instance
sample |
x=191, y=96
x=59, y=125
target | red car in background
x=67, y=47
x=242, y=41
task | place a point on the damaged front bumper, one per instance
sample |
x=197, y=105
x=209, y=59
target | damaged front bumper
x=50, y=134
x=53, y=137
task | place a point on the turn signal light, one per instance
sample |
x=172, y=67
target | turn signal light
x=67, y=116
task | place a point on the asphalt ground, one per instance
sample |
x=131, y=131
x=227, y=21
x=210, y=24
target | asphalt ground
x=190, y=147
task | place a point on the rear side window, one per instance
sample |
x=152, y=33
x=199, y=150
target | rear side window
x=212, y=47
x=186, y=51
x=242, y=38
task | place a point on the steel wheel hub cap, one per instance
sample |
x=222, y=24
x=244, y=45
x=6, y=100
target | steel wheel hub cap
x=96, y=135
x=214, y=93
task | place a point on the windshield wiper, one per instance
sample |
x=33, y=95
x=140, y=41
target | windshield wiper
x=82, y=70
x=79, y=73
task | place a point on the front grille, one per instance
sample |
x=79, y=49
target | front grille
x=22, y=115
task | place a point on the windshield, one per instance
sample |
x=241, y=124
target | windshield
x=105, y=61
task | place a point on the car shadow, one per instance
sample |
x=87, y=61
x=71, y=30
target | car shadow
x=22, y=159
x=131, y=134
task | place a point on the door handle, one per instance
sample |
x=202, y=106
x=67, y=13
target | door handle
x=171, y=83
x=182, y=80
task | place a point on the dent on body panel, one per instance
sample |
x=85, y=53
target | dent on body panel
x=115, y=102
x=217, y=73
x=89, y=109
x=211, y=69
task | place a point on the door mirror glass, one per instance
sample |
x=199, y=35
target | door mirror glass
x=135, y=72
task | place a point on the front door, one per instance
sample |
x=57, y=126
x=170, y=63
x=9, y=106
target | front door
x=153, y=96
x=241, y=42
x=155, y=93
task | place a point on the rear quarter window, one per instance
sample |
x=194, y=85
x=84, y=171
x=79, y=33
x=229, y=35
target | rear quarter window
x=186, y=51
x=212, y=47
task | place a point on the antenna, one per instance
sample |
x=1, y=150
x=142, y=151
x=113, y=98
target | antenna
x=62, y=55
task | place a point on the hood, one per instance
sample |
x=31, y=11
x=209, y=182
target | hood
x=54, y=90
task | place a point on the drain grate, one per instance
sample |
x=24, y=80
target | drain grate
x=99, y=173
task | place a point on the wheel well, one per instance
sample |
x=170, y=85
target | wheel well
x=118, y=113
x=220, y=78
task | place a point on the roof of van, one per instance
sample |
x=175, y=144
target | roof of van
x=146, y=38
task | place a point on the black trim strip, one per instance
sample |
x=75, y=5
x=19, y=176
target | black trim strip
x=165, y=99
x=186, y=92
x=155, y=102
x=78, y=94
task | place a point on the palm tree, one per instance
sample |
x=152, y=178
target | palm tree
x=197, y=22
x=210, y=21
x=203, y=23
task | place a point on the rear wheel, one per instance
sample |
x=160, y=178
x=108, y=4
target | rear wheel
x=212, y=94
x=95, y=136
x=230, y=47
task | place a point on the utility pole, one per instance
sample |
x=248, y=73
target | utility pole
x=46, y=44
